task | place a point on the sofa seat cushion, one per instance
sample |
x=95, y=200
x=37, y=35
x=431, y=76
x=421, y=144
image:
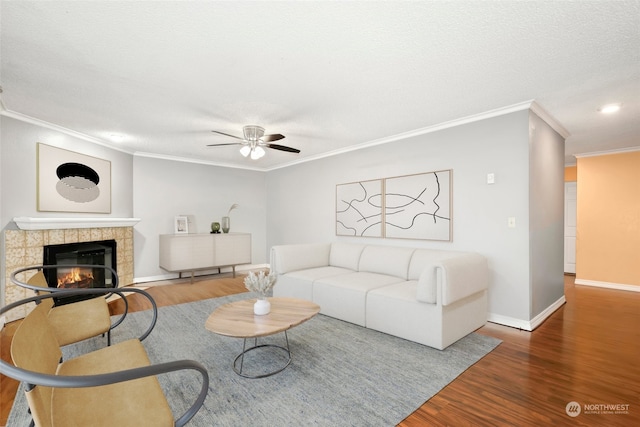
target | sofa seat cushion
x=344, y=296
x=394, y=310
x=403, y=291
x=298, y=284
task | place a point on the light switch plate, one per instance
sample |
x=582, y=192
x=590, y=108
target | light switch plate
x=491, y=178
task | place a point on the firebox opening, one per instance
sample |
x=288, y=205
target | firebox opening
x=83, y=253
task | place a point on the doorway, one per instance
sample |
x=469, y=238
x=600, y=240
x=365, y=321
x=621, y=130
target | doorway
x=570, y=221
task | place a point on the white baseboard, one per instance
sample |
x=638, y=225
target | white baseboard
x=186, y=274
x=537, y=321
x=527, y=325
x=509, y=321
x=608, y=285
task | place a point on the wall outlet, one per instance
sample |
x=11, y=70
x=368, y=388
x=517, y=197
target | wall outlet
x=511, y=222
x=491, y=178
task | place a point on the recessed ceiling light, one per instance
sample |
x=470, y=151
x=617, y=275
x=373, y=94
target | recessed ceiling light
x=116, y=137
x=610, y=108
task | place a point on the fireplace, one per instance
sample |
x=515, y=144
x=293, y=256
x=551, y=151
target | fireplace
x=81, y=253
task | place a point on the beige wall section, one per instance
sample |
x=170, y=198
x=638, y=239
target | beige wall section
x=608, y=227
x=570, y=173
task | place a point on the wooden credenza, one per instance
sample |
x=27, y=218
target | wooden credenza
x=191, y=252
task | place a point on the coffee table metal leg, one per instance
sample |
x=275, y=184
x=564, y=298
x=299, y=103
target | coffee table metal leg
x=246, y=350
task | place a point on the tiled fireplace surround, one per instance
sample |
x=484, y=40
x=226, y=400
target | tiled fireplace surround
x=24, y=248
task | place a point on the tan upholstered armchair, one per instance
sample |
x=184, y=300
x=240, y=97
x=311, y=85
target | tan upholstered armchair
x=68, y=393
x=94, y=312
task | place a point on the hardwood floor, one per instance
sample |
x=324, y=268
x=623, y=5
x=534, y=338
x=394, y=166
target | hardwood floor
x=587, y=352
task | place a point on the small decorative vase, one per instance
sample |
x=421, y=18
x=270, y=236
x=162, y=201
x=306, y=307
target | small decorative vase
x=215, y=227
x=226, y=224
x=261, y=307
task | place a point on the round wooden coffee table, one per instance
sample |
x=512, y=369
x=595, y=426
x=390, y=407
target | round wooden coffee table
x=236, y=319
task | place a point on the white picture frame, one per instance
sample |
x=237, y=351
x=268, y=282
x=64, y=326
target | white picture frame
x=181, y=225
x=71, y=182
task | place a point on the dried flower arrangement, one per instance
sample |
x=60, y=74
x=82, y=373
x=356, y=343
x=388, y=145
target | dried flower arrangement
x=260, y=283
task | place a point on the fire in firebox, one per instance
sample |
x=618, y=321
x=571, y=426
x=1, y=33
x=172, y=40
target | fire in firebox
x=76, y=278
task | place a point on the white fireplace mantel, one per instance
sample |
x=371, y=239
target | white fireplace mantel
x=30, y=223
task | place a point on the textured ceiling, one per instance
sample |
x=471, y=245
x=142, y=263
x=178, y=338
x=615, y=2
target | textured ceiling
x=328, y=75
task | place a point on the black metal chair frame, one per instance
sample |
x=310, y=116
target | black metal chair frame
x=116, y=282
x=33, y=379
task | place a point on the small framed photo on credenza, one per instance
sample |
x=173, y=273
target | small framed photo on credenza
x=181, y=225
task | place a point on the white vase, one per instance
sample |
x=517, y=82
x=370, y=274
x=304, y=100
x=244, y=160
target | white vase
x=261, y=307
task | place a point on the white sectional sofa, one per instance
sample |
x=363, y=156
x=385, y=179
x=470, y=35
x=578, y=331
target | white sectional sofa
x=433, y=297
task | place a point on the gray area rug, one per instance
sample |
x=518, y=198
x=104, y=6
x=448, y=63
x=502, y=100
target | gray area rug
x=341, y=374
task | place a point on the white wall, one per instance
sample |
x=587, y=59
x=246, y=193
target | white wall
x=301, y=204
x=297, y=203
x=18, y=174
x=19, y=141
x=546, y=226
x=164, y=188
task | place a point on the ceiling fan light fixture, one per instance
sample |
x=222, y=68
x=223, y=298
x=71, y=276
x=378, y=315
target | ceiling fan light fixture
x=253, y=132
x=254, y=142
x=245, y=150
x=257, y=153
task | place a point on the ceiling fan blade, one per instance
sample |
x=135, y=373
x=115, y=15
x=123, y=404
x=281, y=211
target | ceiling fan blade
x=283, y=148
x=226, y=134
x=274, y=137
x=228, y=143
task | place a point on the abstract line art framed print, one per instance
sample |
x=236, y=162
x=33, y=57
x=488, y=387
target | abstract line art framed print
x=359, y=209
x=419, y=206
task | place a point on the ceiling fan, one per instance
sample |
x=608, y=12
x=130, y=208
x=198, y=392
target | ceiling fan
x=253, y=141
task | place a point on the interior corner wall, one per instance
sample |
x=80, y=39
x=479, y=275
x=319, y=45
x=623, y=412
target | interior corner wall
x=546, y=207
x=608, y=223
x=166, y=188
x=301, y=198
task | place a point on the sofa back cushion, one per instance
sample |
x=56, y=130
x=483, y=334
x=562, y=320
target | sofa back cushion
x=345, y=255
x=392, y=261
x=286, y=258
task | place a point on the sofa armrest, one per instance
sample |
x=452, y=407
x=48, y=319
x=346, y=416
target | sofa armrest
x=287, y=258
x=456, y=277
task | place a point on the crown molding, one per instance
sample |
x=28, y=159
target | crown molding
x=526, y=105
x=32, y=120
x=417, y=132
x=606, y=152
x=549, y=119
